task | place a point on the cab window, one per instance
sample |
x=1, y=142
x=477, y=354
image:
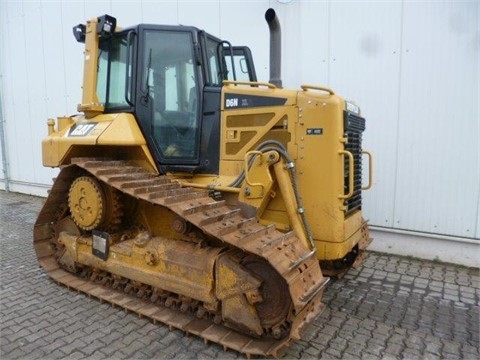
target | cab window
x=112, y=72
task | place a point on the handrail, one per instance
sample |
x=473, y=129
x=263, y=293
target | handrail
x=232, y=62
x=317, y=87
x=252, y=83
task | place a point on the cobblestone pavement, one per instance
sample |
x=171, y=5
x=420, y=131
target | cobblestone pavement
x=390, y=308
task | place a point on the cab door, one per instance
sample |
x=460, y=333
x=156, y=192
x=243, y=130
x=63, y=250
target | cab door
x=168, y=105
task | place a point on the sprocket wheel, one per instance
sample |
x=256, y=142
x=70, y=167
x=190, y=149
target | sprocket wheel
x=94, y=205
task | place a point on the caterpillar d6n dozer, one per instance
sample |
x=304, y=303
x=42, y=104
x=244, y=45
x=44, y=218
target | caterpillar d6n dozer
x=196, y=196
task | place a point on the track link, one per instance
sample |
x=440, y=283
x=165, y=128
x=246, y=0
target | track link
x=284, y=251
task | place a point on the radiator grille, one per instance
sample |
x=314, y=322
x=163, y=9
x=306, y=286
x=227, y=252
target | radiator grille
x=354, y=126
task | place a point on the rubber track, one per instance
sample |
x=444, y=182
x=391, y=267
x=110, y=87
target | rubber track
x=284, y=252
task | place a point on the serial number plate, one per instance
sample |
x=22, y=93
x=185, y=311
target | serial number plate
x=314, y=131
x=100, y=244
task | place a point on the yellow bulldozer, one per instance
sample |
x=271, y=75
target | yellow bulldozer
x=196, y=196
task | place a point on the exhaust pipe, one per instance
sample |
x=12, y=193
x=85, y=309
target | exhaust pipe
x=275, y=47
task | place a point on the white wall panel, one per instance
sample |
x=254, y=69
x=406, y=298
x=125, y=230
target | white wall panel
x=243, y=23
x=127, y=13
x=477, y=233
x=3, y=66
x=188, y=14
x=36, y=105
x=54, y=80
x=304, y=33
x=96, y=8
x=2, y=167
x=18, y=132
x=53, y=57
x=2, y=176
x=8, y=14
x=412, y=66
x=477, y=225
x=72, y=52
x=438, y=160
x=364, y=63
x=159, y=12
x=307, y=60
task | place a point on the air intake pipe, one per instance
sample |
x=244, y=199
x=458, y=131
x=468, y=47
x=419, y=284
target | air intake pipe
x=275, y=47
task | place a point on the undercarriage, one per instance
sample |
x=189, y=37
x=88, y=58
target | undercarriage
x=143, y=242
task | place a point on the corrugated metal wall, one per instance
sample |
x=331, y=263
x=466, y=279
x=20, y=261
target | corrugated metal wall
x=412, y=66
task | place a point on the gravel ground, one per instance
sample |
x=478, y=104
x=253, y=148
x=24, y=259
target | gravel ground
x=391, y=307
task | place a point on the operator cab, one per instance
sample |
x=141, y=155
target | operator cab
x=170, y=78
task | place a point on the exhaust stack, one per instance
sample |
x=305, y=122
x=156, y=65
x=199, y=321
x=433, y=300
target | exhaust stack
x=275, y=47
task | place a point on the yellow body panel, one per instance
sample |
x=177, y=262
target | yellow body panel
x=327, y=250
x=319, y=166
x=113, y=131
x=318, y=158
x=243, y=128
x=155, y=261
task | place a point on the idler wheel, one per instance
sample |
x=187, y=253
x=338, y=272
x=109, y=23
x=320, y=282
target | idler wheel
x=275, y=305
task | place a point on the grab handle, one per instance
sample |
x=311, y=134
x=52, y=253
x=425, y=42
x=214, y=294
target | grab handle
x=247, y=168
x=370, y=170
x=316, y=87
x=350, y=175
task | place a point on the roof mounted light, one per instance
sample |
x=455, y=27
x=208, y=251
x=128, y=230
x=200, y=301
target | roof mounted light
x=106, y=25
x=79, y=32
